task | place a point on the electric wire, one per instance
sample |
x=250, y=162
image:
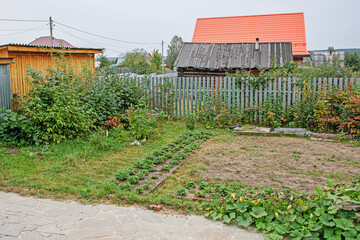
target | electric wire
x=22, y=20
x=60, y=30
x=96, y=35
x=28, y=30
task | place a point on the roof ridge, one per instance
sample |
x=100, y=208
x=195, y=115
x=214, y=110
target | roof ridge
x=269, y=14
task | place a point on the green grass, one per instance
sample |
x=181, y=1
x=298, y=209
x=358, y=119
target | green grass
x=76, y=168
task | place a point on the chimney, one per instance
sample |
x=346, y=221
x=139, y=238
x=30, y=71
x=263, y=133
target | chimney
x=257, y=44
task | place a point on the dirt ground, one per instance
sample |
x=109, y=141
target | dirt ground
x=278, y=162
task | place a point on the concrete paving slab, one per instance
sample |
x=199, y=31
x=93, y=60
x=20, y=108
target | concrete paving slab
x=30, y=218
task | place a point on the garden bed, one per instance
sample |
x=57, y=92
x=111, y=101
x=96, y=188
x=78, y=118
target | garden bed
x=278, y=162
x=148, y=173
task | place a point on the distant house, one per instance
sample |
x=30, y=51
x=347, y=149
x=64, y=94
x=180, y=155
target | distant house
x=319, y=57
x=46, y=41
x=18, y=56
x=219, y=59
x=288, y=27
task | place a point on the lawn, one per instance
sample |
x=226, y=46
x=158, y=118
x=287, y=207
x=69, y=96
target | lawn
x=75, y=168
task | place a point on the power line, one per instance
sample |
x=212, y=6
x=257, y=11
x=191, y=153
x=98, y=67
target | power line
x=86, y=40
x=96, y=35
x=63, y=31
x=28, y=30
x=21, y=20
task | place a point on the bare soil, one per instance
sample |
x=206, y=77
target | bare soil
x=278, y=162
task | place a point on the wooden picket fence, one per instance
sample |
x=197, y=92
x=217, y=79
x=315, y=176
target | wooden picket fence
x=180, y=96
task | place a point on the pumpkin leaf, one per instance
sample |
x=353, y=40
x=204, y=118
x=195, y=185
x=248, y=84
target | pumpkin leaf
x=245, y=220
x=241, y=207
x=326, y=219
x=333, y=209
x=344, y=223
x=258, y=212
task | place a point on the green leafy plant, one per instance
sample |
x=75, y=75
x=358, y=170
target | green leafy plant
x=190, y=120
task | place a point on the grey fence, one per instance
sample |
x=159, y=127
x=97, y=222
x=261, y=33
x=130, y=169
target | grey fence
x=180, y=96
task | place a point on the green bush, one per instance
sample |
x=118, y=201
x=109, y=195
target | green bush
x=143, y=123
x=53, y=106
x=111, y=95
x=12, y=128
x=190, y=121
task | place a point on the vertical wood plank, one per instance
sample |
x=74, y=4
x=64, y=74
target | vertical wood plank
x=233, y=94
x=229, y=94
x=294, y=81
x=288, y=92
x=237, y=96
x=283, y=81
x=242, y=95
x=153, y=92
x=275, y=88
x=196, y=93
x=247, y=94
x=330, y=83
x=184, y=96
x=341, y=84
x=176, y=81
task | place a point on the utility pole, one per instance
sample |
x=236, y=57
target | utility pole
x=162, y=54
x=51, y=30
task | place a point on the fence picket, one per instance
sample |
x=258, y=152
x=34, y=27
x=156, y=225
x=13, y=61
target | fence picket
x=183, y=95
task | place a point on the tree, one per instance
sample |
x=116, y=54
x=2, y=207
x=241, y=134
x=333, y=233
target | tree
x=135, y=57
x=104, y=61
x=156, y=60
x=352, y=60
x=173, y=50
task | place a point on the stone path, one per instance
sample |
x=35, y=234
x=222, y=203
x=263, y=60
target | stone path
x=30, y=218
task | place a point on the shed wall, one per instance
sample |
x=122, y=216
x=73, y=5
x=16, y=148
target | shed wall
x=40, y=62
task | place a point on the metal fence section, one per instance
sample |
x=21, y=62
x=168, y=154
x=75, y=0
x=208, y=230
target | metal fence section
x=5, y=88
x=180, y=96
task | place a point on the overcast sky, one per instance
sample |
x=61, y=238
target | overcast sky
x=327, y=22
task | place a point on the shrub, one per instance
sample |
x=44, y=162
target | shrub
x=110, y=94
x=143, y=123
x=190, y=121
x=53, y=106
x=339, y=111
x=12, y=129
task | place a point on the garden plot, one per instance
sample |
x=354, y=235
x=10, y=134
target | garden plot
x=278, y=162
x=147, y=174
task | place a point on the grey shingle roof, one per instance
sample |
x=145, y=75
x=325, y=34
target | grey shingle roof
x=232, y=55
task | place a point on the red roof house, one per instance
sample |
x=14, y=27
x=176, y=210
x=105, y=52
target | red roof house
x=288, y=27
x=46, y=41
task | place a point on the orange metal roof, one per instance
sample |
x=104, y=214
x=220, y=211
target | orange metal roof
x=288, y=27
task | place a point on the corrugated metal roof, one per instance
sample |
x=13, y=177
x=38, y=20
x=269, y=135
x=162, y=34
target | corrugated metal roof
x=232, y=55
x=287, y=27
x=46, y=41
x=27, y=45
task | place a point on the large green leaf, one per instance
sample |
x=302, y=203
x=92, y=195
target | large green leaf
x=333, y=209
x=273, y=236
x=344, y=223
x=327, y=219
x=245, y=220
x=350, y=234
x=258, y=212
x=328, y=232
x=290, y=218
x=296, y=234
x=216, y=215
x=241, y=207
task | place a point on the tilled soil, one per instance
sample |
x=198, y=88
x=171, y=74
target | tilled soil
x=278, y=162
